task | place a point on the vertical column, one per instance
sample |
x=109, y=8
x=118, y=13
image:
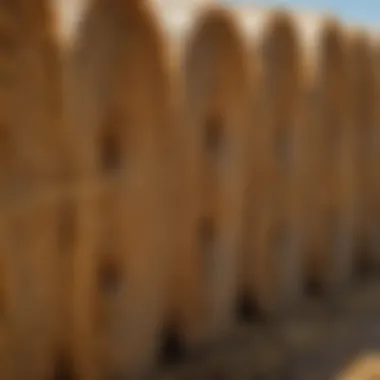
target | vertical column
x=34, y=132
x=119, y=115
x=212, y=137
x=364, y=124
x=328, y=151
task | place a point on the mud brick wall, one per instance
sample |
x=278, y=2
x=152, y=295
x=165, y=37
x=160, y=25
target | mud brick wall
x=172, y=171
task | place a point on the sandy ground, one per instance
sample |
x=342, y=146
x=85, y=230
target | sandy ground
x=345, y=334
x=318, y=343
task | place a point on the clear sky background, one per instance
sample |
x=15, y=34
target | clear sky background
x=365, y=12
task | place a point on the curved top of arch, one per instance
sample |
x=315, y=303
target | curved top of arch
x=185, y=21
x=363, y=69
x=216, y=41
x=117, y=17
x=177, y=21
x=273, y=37
x=29, y=45
x=361, y=50
x=116, y=65
x=42, y=21
x=257, y=22
x=110, y=30
x=280, y=43
x=213, y=22
x=375, y=46
x=218, y=81
x=324, y=44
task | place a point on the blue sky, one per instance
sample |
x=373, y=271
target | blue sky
x=365, y=12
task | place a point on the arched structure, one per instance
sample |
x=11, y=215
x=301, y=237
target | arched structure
x=31, y=147
x=328, y=153
x=211, y=84
x=375, y=48
x=365, y=123
x=117, y=106
x=273, y=223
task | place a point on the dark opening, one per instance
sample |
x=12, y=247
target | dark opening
x=313, y=288
x=111, y=147
x=213, y=135
x=363, y=266
x=66, y=227
x=64, y=369
x=206, y=240
x=110, y=276
x=172, y=350
x=364, y=269
x=247, y=310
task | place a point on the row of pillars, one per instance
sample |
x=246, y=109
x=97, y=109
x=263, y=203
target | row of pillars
x=172, y=169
